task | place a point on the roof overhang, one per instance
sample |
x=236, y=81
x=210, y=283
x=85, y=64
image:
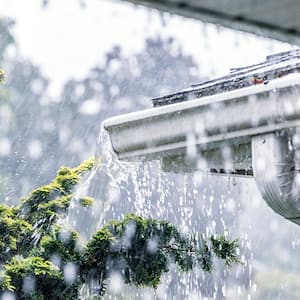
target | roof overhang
x=269, y=18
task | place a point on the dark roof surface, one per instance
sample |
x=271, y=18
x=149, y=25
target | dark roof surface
x=275, y=66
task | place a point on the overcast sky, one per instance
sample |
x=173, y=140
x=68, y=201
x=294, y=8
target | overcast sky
x=66, y=40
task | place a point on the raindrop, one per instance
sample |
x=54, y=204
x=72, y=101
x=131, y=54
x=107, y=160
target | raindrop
x=8, y=296
x=70, y=273
x=115, y=283
x=28, y=284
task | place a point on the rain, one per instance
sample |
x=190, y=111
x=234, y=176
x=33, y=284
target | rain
x=180, y=130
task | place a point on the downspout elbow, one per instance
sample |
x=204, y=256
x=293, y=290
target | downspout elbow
x=273, y=161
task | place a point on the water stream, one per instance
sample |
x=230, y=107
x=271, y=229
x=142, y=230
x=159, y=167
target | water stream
x=102, y=183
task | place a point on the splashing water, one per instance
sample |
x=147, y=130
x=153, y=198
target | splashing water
x=189, y=201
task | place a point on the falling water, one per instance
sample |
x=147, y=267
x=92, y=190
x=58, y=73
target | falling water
x=102, y=183
x=190, y=201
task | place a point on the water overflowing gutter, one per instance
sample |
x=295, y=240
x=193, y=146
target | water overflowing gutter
x=250, y=131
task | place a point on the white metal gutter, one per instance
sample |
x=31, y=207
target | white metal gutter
x=232, y=115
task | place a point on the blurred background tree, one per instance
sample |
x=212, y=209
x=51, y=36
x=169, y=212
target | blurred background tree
x=39, y=134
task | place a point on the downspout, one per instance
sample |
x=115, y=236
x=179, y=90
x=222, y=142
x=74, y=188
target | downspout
x=274, y=168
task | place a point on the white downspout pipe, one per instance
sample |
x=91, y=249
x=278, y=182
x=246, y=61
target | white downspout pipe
x=274, y=168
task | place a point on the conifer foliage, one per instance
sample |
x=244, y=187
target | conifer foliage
x=35, y=248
